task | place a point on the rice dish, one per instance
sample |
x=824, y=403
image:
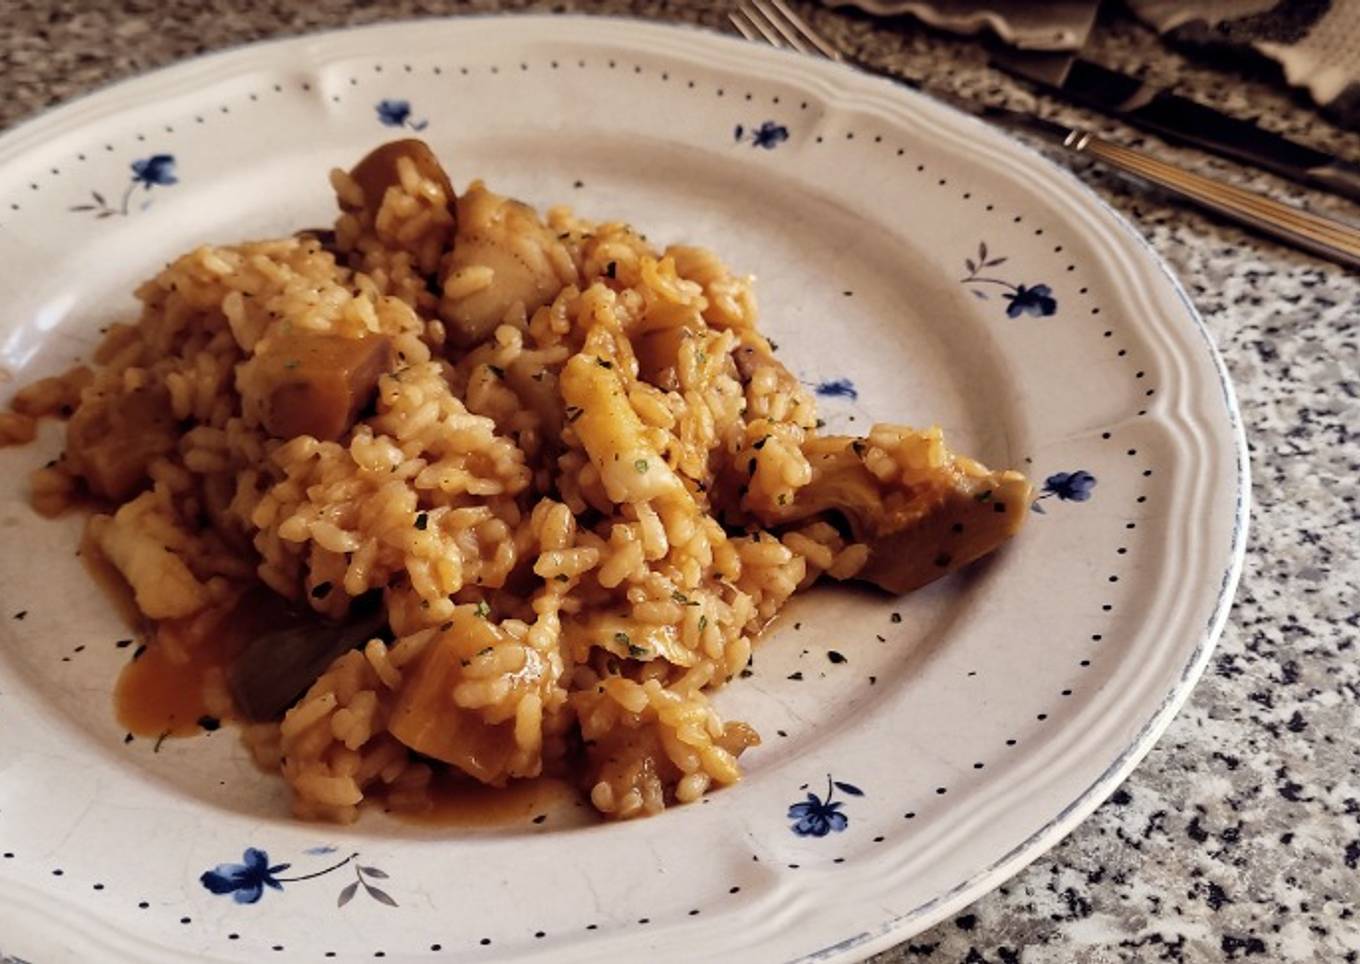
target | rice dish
x=528, y=488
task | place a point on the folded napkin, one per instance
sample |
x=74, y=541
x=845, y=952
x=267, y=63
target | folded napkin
x=1051, y=25
x=1315, y=42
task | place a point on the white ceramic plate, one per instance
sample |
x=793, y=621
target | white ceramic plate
x=913, y=264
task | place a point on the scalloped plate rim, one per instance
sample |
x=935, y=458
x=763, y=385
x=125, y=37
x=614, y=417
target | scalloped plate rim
x=200, y=70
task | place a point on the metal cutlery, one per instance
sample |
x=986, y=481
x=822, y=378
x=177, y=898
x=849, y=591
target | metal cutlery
x=774, y=23
x=1180, y=119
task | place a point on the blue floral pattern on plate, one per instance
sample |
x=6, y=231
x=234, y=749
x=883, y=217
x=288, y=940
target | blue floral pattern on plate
x=158, y=170
x=397, y=113
x=1074, y=486
x=837, y=388
x=246, y=881
x=768, y=135
x=817, y=817
x=1031, y=299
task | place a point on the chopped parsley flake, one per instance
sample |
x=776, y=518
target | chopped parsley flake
x=703, y=623
x=641, y=466
x=483, y=609
x=623, y=638
x=422, y=520
x=637, y=652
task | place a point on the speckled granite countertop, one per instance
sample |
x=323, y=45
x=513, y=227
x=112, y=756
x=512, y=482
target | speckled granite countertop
x=1239, y=836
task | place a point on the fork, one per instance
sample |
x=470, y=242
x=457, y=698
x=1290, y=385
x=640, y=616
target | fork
x=773, y=22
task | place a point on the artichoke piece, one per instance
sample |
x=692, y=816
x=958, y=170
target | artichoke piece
x=939, y=513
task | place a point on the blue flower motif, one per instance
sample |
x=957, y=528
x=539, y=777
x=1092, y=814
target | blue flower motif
x=158, y=169
x=153, y=170
x=1070, y=486
x=1037, y=301
x=768, y=135
x=397, y=113
x=837, y=388
x=817, y=819
x=394, y=113
x=245, y=881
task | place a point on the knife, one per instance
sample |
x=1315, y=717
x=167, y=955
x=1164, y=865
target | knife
x=1328, y=237
x=1180, y=119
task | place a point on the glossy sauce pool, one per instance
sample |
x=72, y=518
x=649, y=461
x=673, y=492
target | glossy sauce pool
x=178, y=677
x=164, y=690
x=154, y=695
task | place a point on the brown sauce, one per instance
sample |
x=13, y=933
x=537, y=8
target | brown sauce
x=154, y=695
x=165, y=689
x=159, y=695
x=459, y=801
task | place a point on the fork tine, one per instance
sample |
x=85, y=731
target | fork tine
x=801, y=27
x=761, y=25
x=738, y=19
x=770, y=21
